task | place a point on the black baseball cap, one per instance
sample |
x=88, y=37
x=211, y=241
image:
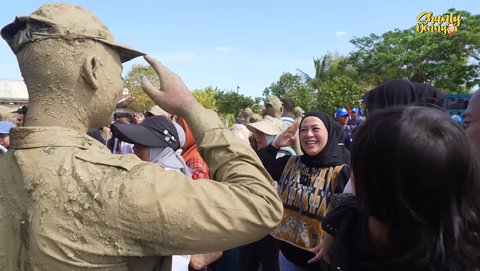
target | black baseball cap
x=156, y=131
x=21, y=110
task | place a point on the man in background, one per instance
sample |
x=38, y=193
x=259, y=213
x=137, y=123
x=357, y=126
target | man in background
x=355, y=118
x=287, y=115
x=273, y=107
x=341, y=116
x=115, y=145
x=20, y=114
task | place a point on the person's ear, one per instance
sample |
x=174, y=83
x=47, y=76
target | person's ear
x=89, y=71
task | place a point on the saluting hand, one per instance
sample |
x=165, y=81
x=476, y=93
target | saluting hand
x=287, y=137
x=173, y=96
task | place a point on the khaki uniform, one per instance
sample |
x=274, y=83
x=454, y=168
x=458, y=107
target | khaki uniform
x=67, y=203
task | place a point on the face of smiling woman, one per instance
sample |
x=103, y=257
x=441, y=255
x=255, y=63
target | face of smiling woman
x=313, y=135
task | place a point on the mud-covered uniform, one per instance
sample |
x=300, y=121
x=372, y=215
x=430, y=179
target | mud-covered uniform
x=67, y=203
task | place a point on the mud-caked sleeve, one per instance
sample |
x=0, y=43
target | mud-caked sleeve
x=165, y=212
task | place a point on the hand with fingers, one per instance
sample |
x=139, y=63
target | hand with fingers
x=321, y=250
x=173, y=96
x=287, y=137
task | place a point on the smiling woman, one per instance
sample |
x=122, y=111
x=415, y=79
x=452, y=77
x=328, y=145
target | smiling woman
x=306, y=184
x=313, y=135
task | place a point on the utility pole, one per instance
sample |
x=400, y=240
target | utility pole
x=238, y=87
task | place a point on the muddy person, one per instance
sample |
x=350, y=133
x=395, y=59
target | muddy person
x=67, y=203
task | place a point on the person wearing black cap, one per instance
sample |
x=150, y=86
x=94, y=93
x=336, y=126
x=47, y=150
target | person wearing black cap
x=20, y=115
x=155, y=140
x=68, y=203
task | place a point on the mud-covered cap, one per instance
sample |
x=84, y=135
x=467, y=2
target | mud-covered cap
x=66, y=21
x=275, y=103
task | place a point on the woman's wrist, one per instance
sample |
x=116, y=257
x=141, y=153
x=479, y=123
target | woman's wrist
x=275, y=145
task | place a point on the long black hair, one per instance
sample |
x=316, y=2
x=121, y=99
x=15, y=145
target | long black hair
x=416, y=171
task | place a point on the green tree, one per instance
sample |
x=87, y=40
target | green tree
x=448, y=62
x=340, y=91
x=292, y=87
x=229, y=102
x=331, y=85
x=206, y=97
x=287, y=82
x=257, y=107
x=322, y=73
x=326, y=68
x=139, y=101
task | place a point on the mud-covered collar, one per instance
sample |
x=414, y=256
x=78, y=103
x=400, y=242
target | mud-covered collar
x=37, y=137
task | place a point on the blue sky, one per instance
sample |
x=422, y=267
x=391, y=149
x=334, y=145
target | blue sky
x=246, y=43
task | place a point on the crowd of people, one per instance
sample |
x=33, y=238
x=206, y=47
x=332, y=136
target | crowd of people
x=393, y=186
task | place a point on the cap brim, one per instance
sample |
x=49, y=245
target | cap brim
x=9, y=31
x=125, y=53
x=136, y=134
x=12, y=28
x=264, y=127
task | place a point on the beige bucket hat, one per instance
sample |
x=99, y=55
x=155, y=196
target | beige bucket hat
x=268, y=125
x=66, y=21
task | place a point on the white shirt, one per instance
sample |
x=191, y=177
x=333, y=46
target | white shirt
x=287, y=120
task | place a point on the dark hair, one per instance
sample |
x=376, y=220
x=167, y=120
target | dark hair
x=415, y=170
x=22, y=110
x=288, y=105
x=119, y=115
x=402, y=92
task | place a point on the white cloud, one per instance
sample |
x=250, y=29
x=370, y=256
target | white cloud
x=341, y=33
x=224, y=49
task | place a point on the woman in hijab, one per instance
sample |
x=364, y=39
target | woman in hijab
x=306, y=184
x=402, y=92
